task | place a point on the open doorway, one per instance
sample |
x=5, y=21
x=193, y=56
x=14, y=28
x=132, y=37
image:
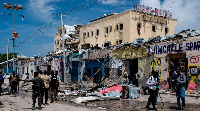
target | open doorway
x=97, y=77
x=133, y=67
x=177, y=62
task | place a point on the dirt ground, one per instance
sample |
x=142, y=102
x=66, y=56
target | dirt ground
x=25, y=104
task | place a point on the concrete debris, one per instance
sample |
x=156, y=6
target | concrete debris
x=112, y=94
x=133, y=92
x=92, y=94
x=86, y=99
x=102, y=108
x=188, y=33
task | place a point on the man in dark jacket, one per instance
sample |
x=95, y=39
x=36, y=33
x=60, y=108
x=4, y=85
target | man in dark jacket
x=173, y=76
x=14, y=82
x=37, y=87
x=1, y=82
x=53, y=86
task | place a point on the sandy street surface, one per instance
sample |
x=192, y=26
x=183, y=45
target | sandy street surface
x=25, y=104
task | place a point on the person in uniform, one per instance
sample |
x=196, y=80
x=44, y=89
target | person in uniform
x=37, y=87
x=53, y=86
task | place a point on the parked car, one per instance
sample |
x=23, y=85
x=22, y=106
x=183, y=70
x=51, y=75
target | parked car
x=6, y=76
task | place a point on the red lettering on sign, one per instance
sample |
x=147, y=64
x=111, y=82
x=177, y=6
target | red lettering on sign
x=194, y=59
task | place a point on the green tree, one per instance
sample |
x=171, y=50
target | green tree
x=3, y=57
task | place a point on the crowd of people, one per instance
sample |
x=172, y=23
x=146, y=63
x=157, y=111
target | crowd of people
x=43, y=85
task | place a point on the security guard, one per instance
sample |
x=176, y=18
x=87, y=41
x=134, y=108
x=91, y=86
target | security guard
x=38, y=85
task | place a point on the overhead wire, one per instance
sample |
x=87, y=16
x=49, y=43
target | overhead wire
x=70, y=11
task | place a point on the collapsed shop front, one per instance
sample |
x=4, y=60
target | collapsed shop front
x=57, y=61
x=135, y=61
x=182, y=54
x=96, y=66
x=75, y=66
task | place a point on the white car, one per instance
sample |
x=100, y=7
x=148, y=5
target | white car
x=6, y=76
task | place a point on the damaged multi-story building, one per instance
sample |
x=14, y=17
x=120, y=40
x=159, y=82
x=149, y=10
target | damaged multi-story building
x=114, y=32
x=71, y=37
x=71, y=41
x=135, y=41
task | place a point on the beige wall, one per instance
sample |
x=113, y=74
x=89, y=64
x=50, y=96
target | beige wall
x=57, y=43
x=129, y=19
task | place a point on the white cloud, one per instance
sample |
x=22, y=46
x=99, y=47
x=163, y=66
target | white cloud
x=43, y=9
x=185, y=11
x=115, y=2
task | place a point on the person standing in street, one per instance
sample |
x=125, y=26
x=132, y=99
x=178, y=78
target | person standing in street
x=152, y=82
x=173, y=75
x=1, y=82
x=180, y=89
x=196, y=81
x=14, y=84
x=137, y=76
x=47, y=80
x=57, y=83
x=157, y=87
x=125, y=82
x=42, y=90
x=53, y=86
x=37, y=88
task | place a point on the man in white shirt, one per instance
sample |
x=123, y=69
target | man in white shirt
x=152, y=82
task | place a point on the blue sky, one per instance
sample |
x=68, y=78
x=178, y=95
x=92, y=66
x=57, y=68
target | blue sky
x=39, y=13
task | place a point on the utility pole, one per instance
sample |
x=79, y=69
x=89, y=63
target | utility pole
x=63, y=48
x=15, y=35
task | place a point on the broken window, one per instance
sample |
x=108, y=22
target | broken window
x=92, y=33
x=106, y=29
x=57, y=42
x=110, y=28
x=97, y=32
x=84, y=35
x=117, y=27
x=154, y=28
x=121, y=27
x=88, y=34
x=120, y=41
x=138, y=28
x=166, y=30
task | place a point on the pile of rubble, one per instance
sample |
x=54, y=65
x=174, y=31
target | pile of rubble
x=100, y=92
